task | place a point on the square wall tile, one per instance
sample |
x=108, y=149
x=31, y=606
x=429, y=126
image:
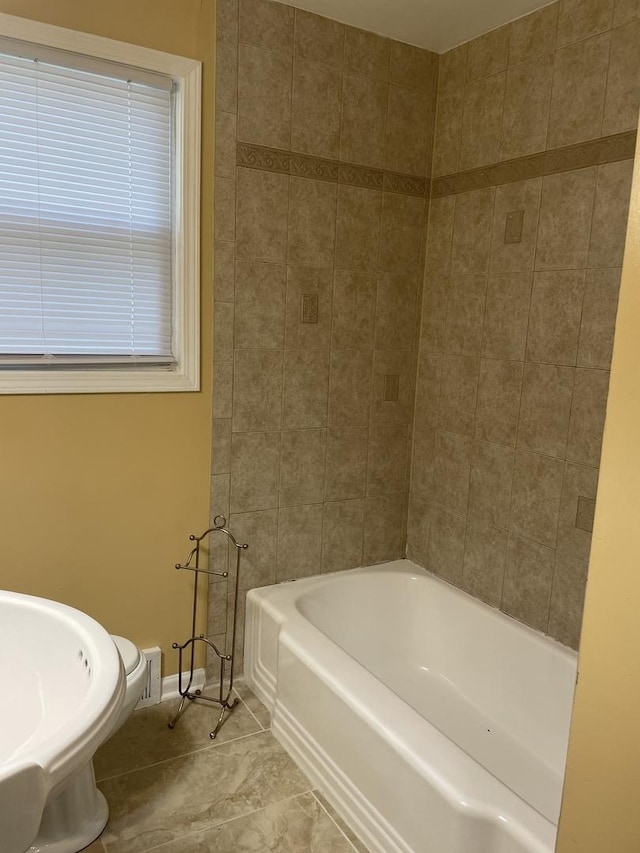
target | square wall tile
x=488, y=53
x=528, y=578
x=579, y=85
x=610, y=214
x=545, y=409
x=515, y=253
x=258, y=563
x=565, y=220
x=597, y=327
x=342, y=535
x=309, y=298
x=471, y=232
x=440, y=235
x=257, y=390
x=623, y=81
x=409, y=118
x=358, y=228
x=458, y=393
x=429, y=377
x=452, y=69
x=579, y=19
x=384, y=529
x=354, y=310
x=625, y=11
x=481, y=122
x=255, y=471
x=267, y=24
x=315, y=118
x=226, y=72
x=299, y=541
x=264, y=96
x=225, y=156
x=346, y=470
x=535, y=501
x=364, y=109
x=418, y=529
x=222, y=389
x=554, y=321
x=413, y=67
x=225, y=209
x=260, y=305
x=579, y=488
x=452, y=470
x=306, y=389
x=490, y=484
x=319, y=39
x=588, y=411
x=350, y=388
x=465, y=314
x=533, y=35
x=221, y=446
x=388, y=459
x=366, y=54
x=499, y=390
x=567, y=599
x=392, y=387
x=423, y=459
x=227, y=14
x=302, y=463
x=223, y=331
x=401, y=233
x=224, y=271
x=262, y=207
x=395, y=311
x=448, y=132
x=312, y=222
x=526, y=108
x=484, y=561
x=446, y=544
x=434, y=313
x=506, y=317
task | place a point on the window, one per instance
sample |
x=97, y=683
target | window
x=99, y=204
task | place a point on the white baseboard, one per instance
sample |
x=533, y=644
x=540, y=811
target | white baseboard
x=170, y=684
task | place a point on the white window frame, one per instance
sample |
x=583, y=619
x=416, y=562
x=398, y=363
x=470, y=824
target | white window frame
x=184, y=375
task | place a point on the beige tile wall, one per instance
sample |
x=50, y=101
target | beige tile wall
x=518, y=314
x=310, y=461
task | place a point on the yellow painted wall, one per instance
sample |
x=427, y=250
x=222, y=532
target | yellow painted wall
x=601, y=806
x=98, y=493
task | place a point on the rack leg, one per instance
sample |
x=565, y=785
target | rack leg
x=226, y=709
x=182, y=707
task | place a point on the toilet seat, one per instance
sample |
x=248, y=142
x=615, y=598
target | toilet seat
x=129, y=653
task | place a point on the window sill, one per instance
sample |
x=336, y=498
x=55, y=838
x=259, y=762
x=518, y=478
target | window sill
x=134, y=381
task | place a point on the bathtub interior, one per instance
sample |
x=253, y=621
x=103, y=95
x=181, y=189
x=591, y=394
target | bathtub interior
x=498, y=690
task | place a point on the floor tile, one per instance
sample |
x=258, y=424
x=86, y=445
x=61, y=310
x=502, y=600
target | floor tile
x=259, y=711
x=298, y=825
x=355, y=841
x=197, y=792
x=145, y=738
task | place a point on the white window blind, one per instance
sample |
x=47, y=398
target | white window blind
x=85, y=214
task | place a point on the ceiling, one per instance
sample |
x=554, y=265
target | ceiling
x=435, y=24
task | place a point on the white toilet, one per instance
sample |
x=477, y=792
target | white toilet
x=79, y=813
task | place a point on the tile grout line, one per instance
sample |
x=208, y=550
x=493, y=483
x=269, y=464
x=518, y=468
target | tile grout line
x=216, y=826
x=241, y=698
x=182, y=755
x=333, y=821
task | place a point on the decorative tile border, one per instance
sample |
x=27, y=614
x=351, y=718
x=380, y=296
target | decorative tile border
x=318, y=168
x=596, y=152
x=609, y=149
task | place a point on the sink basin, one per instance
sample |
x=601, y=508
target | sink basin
x=62, y=687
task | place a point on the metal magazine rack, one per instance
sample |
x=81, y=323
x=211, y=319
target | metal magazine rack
x=223, y=699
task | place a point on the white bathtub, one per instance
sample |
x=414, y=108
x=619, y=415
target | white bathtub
x=432, y=722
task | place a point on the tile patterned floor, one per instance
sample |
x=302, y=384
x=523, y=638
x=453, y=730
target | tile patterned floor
x=177, y=792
